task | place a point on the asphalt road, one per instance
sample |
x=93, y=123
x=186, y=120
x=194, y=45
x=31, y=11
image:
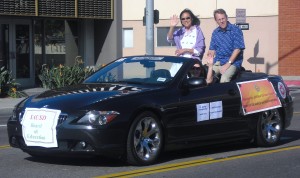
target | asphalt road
x=236, y=160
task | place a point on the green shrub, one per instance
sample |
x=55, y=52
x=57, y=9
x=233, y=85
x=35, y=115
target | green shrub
x=61, y=76
x=8, y=86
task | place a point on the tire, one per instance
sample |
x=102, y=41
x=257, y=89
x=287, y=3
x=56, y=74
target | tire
x=269, y=128
x=145, y=140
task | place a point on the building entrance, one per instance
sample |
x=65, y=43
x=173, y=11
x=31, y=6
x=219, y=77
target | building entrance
x=16, y=50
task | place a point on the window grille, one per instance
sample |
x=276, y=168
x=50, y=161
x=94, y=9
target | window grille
x=17, y=7
x=56, y=8
x=96, y=9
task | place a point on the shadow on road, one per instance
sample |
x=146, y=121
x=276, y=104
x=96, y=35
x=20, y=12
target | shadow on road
x=96, y=161
x=289, y=136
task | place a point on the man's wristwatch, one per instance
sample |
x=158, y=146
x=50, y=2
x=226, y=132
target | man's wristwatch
x=229, y=62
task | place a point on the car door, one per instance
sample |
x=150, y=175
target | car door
x=209, y=112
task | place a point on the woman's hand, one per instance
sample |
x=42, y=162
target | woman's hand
x=179, y=52
x=174, y=20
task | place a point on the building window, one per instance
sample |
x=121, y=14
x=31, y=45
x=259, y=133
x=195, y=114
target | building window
x=162, y=36
x=55, y=43
x=127, y=37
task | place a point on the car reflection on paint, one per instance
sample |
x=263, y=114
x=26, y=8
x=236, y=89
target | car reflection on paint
x=137, y=107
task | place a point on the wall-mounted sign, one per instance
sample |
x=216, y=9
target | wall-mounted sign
x=240, y=15
x=243, y=26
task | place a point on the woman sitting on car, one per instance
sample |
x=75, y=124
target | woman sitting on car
x=198, y=70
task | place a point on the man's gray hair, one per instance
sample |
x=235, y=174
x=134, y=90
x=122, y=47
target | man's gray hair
x=220, y=11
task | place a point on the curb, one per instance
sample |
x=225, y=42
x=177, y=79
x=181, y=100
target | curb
x=292, y=83
x=7, y=104
x=6, y=110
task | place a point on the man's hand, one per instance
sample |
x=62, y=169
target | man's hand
x=224, y=68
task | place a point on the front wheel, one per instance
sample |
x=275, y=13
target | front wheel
x=145, y=139
x=269, y=128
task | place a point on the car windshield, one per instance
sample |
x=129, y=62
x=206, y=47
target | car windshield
x=139, y=70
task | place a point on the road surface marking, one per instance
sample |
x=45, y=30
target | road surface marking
x=4, y=146
x=177, y=166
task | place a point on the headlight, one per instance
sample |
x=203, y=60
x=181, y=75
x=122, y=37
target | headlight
x=98, y=117
x=17, y=114
x=14, y=116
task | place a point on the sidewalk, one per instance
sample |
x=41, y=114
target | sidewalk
x=293, y=82
x=7, y=104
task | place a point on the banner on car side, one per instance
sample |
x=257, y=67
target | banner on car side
x=257, y=96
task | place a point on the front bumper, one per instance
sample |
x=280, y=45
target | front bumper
x=288, y=110
x=74, y=140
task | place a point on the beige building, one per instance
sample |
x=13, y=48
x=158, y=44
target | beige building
x=261, y=40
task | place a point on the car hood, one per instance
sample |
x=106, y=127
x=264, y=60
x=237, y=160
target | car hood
x=81, y=96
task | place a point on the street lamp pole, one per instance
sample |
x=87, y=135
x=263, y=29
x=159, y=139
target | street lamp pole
x=149, y=27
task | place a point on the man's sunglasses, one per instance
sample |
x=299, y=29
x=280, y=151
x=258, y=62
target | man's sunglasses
x=188, y=18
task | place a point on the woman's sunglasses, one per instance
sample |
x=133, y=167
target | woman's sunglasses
x=196, y=68
x=187, y=18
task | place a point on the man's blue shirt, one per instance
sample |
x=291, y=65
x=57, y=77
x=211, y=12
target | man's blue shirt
x=225, y=41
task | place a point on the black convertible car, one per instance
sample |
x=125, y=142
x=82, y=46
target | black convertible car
x=137, y=107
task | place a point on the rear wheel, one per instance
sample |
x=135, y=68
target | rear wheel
x=269, y=128
x=144, y=142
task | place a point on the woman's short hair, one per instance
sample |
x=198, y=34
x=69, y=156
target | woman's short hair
x=195, y=20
